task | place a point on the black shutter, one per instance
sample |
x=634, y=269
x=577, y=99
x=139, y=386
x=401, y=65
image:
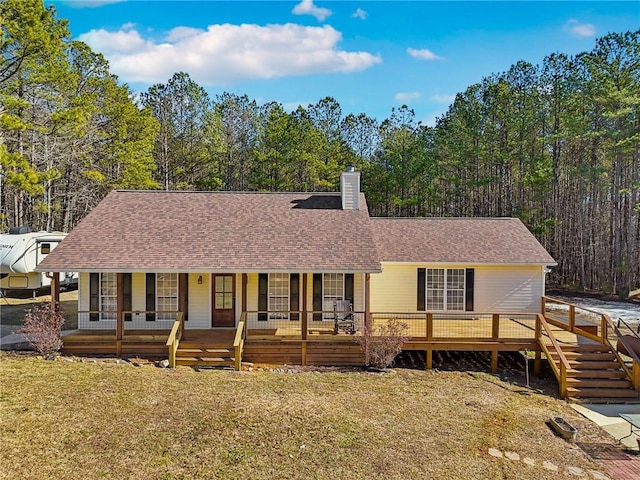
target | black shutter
x=126, y=295
x=468, y=285
x=183, y=294
x=263, y=287
x=317, y=296
x=151, y=297
x=422, y=289
x=294, y=295
x=94, y=296
x=348, y=288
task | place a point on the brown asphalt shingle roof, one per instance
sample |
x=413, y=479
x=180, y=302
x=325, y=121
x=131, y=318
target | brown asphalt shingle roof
x=457, y=240
x=218, y=231
x=304, y=232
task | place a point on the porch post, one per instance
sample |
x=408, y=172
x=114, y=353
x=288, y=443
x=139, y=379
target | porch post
x=244, y=292
x=305, y=325
x=55, y=290
x=367, y=299
x=119, y=312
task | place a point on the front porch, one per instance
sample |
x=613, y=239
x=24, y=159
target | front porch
x=305, y=338
x=580, y=345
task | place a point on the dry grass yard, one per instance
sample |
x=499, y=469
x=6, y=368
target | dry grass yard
x=90, y=420
x=14, y=307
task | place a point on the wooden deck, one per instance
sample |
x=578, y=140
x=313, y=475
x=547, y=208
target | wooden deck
x=576, y=342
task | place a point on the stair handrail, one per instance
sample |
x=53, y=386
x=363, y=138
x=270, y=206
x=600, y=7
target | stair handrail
x=173, y=341
x=561, y=373
x=633, y=373
x=572, y=326
x=238, y=342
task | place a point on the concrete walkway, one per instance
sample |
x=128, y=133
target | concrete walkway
x=607, y=418
x=619, y=464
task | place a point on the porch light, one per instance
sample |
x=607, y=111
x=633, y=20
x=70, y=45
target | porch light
x=199, y=279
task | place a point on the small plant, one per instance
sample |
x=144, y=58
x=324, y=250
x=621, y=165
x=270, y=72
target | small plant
x=382, y=343
x=42, y=329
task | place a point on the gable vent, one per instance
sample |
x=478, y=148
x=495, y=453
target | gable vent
x=350, y=189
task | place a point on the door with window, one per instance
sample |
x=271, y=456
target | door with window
x=224, y=300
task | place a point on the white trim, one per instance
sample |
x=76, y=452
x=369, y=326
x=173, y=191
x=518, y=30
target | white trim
x=426, y=264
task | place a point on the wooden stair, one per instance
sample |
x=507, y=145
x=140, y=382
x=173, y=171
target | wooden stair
x=595, y=375
x=205, y=354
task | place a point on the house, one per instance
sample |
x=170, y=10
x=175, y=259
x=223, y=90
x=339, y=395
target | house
x=279, y=261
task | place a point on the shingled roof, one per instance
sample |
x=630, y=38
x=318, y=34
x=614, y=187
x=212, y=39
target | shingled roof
x=457, y=240
x=217, y=231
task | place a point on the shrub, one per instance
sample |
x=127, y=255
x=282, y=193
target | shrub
x=42, y=328
x=382, y=343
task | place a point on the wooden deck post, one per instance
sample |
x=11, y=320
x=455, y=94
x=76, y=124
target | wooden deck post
x=304, y=315
x=367, y=299
x=55, y=291
x=494, y=360
x=244, y=292
x=537, y=363
x=495, y=334
x=119, y=312
x=429, y=351
x=572, y=317
x=495, y=326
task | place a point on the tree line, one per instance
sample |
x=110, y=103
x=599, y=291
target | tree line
x=556, y=144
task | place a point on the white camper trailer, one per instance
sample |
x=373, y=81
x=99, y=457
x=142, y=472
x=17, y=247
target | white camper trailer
x=20, y=251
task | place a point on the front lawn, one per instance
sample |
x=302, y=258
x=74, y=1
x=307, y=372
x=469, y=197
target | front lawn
x=70, y=419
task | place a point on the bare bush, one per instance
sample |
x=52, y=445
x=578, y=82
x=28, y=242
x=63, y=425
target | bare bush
x=382, y=343
x=42, y=328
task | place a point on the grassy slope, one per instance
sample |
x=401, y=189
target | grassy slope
x=12, y=309
x=102, y=420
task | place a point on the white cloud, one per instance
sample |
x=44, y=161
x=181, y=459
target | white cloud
x=423, y=54
x=405, y=97
x=360, y=13
x=306, y=7
x=439, y=98
x=225, y=53
x=580, y=29
x=123, y=41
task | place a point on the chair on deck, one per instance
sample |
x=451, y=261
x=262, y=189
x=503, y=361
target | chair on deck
x=344, y=317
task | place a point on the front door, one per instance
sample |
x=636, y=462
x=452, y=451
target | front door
x=224, y=301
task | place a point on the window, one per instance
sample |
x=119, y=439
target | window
x=224, y=292
x=167, y=296
x=445, y=288
x=333, y=286
x=108, y=296
x=278, y=295
x=45, y=248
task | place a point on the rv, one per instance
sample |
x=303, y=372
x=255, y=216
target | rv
x=20, y=251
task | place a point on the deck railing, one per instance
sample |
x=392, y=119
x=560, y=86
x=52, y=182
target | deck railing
x=132, y=320
x=437, y=326
x=550, y=345
x=596, y=326
x=173, y=342
x=291, y=324
x=576, y=319
x=238, y=342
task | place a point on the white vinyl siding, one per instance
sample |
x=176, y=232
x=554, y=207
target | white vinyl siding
x=509, y=288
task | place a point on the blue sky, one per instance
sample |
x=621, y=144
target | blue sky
x=370, y=56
